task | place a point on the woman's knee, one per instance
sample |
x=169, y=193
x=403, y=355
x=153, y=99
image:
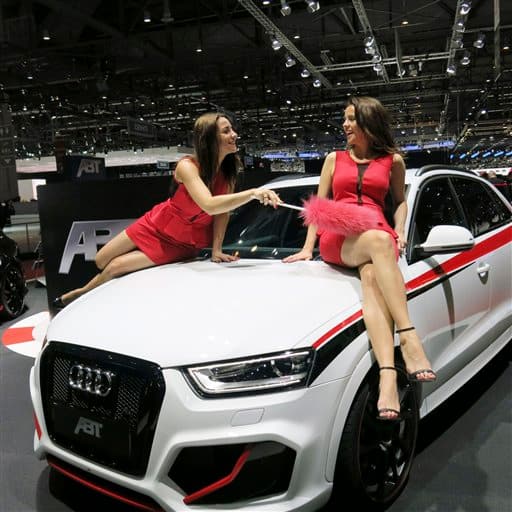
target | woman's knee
x=115, y=268
x=367, y=275
x=381, y=241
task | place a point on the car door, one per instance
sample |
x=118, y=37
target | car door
x=447, y=294
x=489, y=220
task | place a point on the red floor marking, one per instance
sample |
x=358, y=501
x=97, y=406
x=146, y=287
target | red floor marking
x=17, y=335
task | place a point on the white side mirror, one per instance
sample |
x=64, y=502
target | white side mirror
x=447, y=238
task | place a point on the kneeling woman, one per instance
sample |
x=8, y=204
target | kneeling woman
x=194, y=218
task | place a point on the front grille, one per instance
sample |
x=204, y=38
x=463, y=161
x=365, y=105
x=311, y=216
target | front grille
x=115, y=430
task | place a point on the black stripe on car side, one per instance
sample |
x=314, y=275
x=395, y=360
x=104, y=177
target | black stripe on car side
x=415, y=293
x=328, y=351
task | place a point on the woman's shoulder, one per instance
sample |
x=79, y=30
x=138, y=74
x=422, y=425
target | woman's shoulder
x=186, y=166
x=398, y=159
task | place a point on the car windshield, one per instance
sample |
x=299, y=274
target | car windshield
x=257, y=231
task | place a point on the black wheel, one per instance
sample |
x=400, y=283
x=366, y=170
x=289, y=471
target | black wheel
x=12, y=291
x=375, y=456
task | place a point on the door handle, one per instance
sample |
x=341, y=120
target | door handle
x=483, y=268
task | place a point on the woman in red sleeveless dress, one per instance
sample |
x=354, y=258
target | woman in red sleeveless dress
x=361, y=177
x=194, y=218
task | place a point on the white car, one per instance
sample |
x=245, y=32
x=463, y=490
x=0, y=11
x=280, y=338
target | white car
x=252, y=385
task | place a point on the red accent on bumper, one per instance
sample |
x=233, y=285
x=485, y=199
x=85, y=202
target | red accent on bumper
x=38, y=427
x=102, y=490
x=239, y=464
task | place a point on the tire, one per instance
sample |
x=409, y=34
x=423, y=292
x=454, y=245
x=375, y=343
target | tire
x=375, y=456
x=12, y=291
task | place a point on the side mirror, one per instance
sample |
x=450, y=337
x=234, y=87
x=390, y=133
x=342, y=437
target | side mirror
x=446, y=238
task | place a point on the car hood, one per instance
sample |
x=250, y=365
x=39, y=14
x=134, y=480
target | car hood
x=195, y=312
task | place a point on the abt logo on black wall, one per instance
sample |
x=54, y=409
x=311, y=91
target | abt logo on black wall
x=81, y=168
x=85, y=237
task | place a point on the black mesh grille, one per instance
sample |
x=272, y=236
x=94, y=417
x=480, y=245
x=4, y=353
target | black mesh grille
x=115, y=430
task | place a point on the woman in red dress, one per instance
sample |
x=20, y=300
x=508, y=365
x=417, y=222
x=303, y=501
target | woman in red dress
x=194, y=218
x=361, y=176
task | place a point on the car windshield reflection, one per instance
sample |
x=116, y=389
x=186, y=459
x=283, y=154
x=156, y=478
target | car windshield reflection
x=257, y=231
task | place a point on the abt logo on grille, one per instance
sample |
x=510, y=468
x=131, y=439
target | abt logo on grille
x=89, y=427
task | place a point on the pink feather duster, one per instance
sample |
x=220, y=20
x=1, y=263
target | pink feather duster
x=340, y=217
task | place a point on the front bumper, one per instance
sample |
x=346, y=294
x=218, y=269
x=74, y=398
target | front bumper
x=297, y=422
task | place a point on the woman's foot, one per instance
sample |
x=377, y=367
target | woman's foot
x=416, y=362
x=388, y=405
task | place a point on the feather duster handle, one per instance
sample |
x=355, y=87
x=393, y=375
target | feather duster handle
x=341, y=217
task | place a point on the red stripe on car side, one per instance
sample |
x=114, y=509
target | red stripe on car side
x=490, y=244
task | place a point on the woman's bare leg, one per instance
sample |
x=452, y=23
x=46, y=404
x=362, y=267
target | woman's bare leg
x=377, y=246
x=118, y=257
x=379, y=325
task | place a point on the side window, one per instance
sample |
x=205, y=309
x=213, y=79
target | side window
x=435, y=205
x=483, y=210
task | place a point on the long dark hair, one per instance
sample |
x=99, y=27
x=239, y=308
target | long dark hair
x=375, y=121
x=206, y=147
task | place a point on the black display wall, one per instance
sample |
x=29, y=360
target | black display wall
x=77, y=218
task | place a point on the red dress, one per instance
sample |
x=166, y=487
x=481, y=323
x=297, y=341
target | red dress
x=372, y=193
x=177, y=228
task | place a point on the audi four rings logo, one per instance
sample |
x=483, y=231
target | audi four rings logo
x=91, y=380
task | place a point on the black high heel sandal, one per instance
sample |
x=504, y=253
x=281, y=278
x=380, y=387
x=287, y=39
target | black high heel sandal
x=57, y=303
x=414, y=376
x=388, y=409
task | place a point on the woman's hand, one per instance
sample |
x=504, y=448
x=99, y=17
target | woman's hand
x=220, y=257
x=266, y=197
x=304, y=254
x=401, y=242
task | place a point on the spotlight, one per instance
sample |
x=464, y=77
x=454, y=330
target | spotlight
x=286, y=10
x=479, y=41
x=458, y=42
x=147, y=17
x=290, y=61
x=451, y=69
x=46, y=35
x=317, y=83
x=368, y=41
x=276, y=44
x=305, y=73
x=378, y=67
x=460, y=26
x=466, y=58
x=465, y=7
x=312, y=7
x=376, y=58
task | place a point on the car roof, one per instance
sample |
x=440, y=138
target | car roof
x=411, y=175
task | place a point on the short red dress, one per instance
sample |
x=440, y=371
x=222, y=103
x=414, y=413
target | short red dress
x=369, y=192
x=177, y=228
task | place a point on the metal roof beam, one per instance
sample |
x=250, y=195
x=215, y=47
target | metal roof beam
x=272, y=29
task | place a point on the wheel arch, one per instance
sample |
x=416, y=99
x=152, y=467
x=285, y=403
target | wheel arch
x=356, y=379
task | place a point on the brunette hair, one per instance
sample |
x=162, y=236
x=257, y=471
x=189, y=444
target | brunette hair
x=206, y=147
x=375, y=121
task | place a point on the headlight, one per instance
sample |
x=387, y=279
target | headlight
x=273, y=372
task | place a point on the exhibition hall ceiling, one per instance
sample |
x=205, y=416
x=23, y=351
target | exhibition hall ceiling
x=117, y=74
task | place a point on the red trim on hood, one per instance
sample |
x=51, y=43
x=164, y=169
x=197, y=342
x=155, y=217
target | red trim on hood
x=331, y=332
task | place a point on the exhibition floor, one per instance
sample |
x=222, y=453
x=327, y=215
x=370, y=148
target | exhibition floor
x=463, y=463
